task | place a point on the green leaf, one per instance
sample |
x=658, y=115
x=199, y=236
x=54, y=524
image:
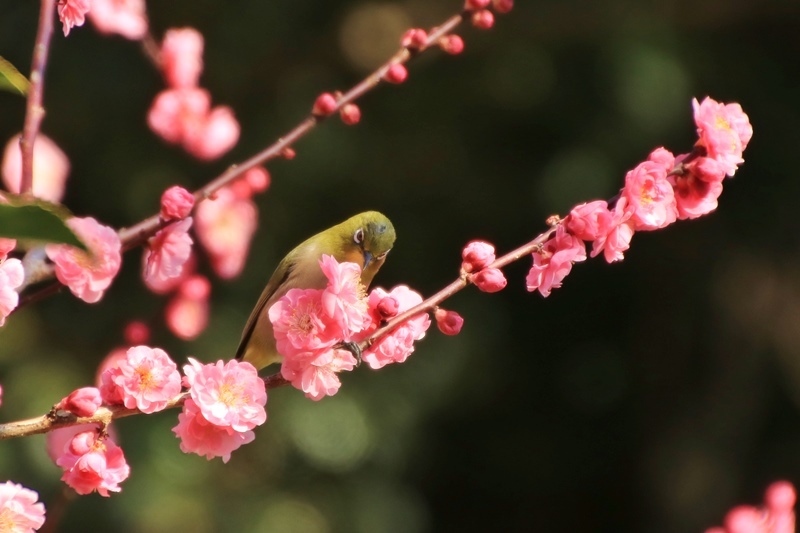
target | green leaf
x=11, y=79
x=36, y=221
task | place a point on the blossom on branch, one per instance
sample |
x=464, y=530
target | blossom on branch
x=619, y=235
x=87, y=275
x=176, y=203
x=124, y=17
x=20, y=510
x=167, y=253
x=11, y=276
x=344, y=299
x=724, y=131
x=225, y=225
x=315, y=373
x=200, y=436
x=182, y=57
x=93, y=463
x=72, y=13
x=650, y=196
x=477, y=255
x=448, y=322
x=82, y=402
x=147, y=379
x=554, y=261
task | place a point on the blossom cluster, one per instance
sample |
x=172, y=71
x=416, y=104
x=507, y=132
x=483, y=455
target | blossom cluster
x=775, y=516
x=659, y=191
x=311, y=324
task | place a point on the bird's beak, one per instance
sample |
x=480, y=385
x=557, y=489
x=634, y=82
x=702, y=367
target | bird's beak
x=367, y=259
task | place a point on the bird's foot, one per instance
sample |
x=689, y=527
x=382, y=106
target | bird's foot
x=352, y=347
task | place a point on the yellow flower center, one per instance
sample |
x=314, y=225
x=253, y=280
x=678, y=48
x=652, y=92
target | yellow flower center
x=7, y=522
x=230, y=393
x=722, y=124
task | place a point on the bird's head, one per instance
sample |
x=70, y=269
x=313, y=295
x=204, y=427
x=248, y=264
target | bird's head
x=366, y=238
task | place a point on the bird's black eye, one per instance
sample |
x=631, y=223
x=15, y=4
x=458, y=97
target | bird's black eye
x=358, y=236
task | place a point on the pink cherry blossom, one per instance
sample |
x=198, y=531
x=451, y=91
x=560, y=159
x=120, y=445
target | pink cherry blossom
x=124, y=17
x=448, y=322
x=315, y=373
x=91, y=463
x=11, y=277
x=161, y=285
x=650, y=196
x=588, y=221
x=663, y=157
x=228, y=394
x=224, y=227
x=619, y=235
x=695, y=197
x=489, y=280
x=50, y=168
x=82, y=402
x=87, y=275
x=58, y=440
x=188, y=312
x=20, y=510
x=724, y=131
x=182, y=57
x=6, y=246
x=147, y=379
x=176, y=111
x=176, y=203
x=344, y=299
x=399, y=344
x=167, y=253
x=477, y=255
x=214, y=136
x=200, y=436
x=300, y=324
x=72, y=13
x=552, y=264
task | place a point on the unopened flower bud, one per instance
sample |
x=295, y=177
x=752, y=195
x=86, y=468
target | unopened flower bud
x=397, y=73
x=449, y=322
x=258, y=178
x=82, y=402
x=176, y=203
x=324, y=105
x=196, y=287
x=472, y=5
x=388, y=307
x=780, y=497
x=452, y=44
x=414, y=38
x=288, y=153
x=83, y=442
x=489, y=280
x=350, y=114
x=503, y=6
x=136, y=332
x=477, y=255
x=483, y=19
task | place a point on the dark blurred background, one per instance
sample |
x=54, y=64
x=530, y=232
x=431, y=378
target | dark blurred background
x=650, y=395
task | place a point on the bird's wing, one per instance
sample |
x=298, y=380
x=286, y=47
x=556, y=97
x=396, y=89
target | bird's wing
x=272, y=285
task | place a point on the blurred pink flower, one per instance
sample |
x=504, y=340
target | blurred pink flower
x=188, y=311
x=124, y=17
x=82, y=402
x=477, y=255
x=489, y=280
x=200, y=436
x=12, y=275
x=724, y=131
x=93, y=464
x=182, y=57
x=663, y=157
x=228, y=394
x=20, y=510
x=224, y=227
x=147, y=379
x=87, y=275
x=213, y=136
x=650, y=197
x=167, y=253
x=399, y=344
x=448, y=322
x=72, y=13
x=776, y=516
x=344, y=299
x=315, y=373
x=588, y=221
x=160, y=285
x=620, y=233
x=50, y=168
x=176, y=111
x=554, y=262
x=300, y=324
x=6, y=246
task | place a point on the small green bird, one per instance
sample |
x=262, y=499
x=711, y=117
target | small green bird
x=364, y=239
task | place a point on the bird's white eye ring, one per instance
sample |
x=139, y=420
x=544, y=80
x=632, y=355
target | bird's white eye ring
x=358, y=236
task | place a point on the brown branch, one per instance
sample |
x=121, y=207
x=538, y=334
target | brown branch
x=35, y=111
x=138, y=234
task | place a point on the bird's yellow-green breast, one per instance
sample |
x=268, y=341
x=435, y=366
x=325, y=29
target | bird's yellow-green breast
x=364, y=239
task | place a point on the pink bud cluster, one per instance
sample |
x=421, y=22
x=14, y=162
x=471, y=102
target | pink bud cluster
x=182, y=114
x=776, y=516
x=481, y=14
x=659, y=191
x=310, y=324
x=477, y=256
